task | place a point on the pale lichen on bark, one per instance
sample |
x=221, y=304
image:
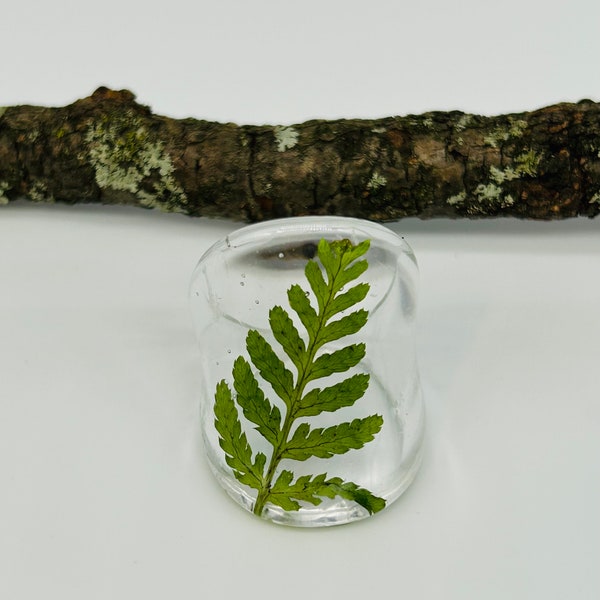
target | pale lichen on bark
x=286, y=138
x=4, y=187
x=124, y=155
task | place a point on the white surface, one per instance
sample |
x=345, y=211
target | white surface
x=104, y=490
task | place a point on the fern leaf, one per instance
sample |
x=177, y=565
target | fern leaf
x=317, y=283
x=350, y=274
x=351, y=253
x=287, y=335
x=351, y=491
x=257, y=409
x=338, y=266
x=270, y=366
x=330, y=399
x=336, y=362
x=233, y=441
x=301, y=305
x=338, y=439
x=288, y=493
x=337, y=256
x=328, y=259
x=344, y=301
x=347, y=325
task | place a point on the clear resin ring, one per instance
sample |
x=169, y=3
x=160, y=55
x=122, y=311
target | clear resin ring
x=311, y=408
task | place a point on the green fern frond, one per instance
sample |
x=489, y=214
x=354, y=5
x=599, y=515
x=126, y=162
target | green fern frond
x=339, y=265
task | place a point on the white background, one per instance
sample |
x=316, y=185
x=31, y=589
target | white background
x=104, y=491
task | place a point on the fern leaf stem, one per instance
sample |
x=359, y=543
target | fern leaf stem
x=290, y=416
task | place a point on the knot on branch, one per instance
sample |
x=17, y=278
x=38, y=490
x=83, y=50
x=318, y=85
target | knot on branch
x=122, y=96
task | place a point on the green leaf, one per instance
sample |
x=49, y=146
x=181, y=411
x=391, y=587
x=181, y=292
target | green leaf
x=351, y=491
x=283, y=491
x=288, y=493
x=339, y=439
x=254, y=478
x=330, y=399
x=351, y=253
x=350, y=274
x=328, y=259
x=301, y=304
x=271, y=367
x=337, y=265
x=317, y=283
x=287, y=335
x=347, y=325
x=336, y=362
x=232, y=440
x=344, y=301
x=336, y=257
x=257, y=409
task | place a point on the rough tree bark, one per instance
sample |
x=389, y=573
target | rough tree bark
x=107, y=148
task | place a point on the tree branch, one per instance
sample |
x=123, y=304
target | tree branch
x=108, y=149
